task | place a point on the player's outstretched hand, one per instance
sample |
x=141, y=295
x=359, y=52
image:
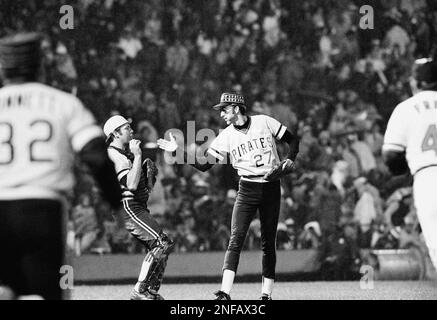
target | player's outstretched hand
x=285, y=167
x=168, y=145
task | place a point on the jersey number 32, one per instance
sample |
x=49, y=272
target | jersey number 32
x=9, y=139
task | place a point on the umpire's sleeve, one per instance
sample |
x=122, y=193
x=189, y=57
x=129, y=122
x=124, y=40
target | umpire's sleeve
x=95, y=155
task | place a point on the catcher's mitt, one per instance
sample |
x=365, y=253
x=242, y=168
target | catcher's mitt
x=151, y=171
x=278, y=171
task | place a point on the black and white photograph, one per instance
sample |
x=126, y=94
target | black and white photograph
x=202, y=150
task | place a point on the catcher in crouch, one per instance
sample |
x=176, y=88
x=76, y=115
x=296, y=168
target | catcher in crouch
x=249, y=144
x=137, y=178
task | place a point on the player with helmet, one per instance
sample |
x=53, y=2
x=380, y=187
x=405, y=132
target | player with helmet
x=41, y=128
x=410, y=143
x=249, y=144
x=137, y=178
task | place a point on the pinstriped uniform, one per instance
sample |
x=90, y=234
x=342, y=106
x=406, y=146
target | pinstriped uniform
x=138, y=220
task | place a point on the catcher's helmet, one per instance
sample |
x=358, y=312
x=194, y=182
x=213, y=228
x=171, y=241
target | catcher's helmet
x=425, y=73
x=113, y=123
x=20, y=54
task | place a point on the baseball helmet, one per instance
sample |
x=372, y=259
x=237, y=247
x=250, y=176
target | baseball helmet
x=20, y=54
x=424, y=71
x=113, y=124
x=228, y=98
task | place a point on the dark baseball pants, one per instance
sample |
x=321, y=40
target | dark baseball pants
x=32, y=247
x=253, y=196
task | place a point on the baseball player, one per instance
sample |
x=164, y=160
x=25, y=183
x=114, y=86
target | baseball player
x=40, y=130
x=249, y=144
x=410, y=143
x=137, y=178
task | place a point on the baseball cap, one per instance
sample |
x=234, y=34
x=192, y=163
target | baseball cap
x=20, y=53
x=425, y=70
x=113, y=123
x=228, y=98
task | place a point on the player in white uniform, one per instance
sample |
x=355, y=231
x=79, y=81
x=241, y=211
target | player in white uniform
x=40, y=130
x=410, y=141
x=249, y=144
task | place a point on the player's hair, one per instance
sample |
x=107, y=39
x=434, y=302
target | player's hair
x=111, y=137
x=425, y=72
x=241, y=107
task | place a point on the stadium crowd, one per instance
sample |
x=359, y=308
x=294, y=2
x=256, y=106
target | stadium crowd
x=307, y=63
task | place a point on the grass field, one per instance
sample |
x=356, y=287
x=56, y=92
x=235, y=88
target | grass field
x=382, y=290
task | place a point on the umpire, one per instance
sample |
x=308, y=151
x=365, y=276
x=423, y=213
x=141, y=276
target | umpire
x=41, y=128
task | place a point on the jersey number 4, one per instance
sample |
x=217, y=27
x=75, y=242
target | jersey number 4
x=430, y=140
x=7, y=135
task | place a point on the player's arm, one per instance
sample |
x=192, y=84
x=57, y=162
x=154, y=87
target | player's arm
x=293, y=144
x=88, y=142
x=203, y=164
x=395, y=161
x=94, y=155
x=395, y=141
x=134, y=175
x=281, y=133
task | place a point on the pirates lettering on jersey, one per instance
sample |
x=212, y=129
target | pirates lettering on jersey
x=252, y=145
x=252, y=151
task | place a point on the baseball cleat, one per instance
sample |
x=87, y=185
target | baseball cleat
x=220, y=295
x=265, y=296
x=156, y=294
x=145, y=295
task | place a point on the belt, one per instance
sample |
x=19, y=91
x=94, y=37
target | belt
x=431, y=165
x=253, y=176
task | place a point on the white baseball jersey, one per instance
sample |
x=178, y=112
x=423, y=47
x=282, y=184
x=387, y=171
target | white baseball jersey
x=413, y=128
x=40, y=129
x=252, y=151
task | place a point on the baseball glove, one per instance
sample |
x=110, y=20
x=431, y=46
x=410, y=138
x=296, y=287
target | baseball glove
x=151, y=171
x=278, y=171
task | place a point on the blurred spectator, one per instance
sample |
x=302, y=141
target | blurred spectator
x=366, y=209
x=85, y=224
x=363, y=152
x=339, y=256
x=303, y=62
x=310, y=238
x=129, y=43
